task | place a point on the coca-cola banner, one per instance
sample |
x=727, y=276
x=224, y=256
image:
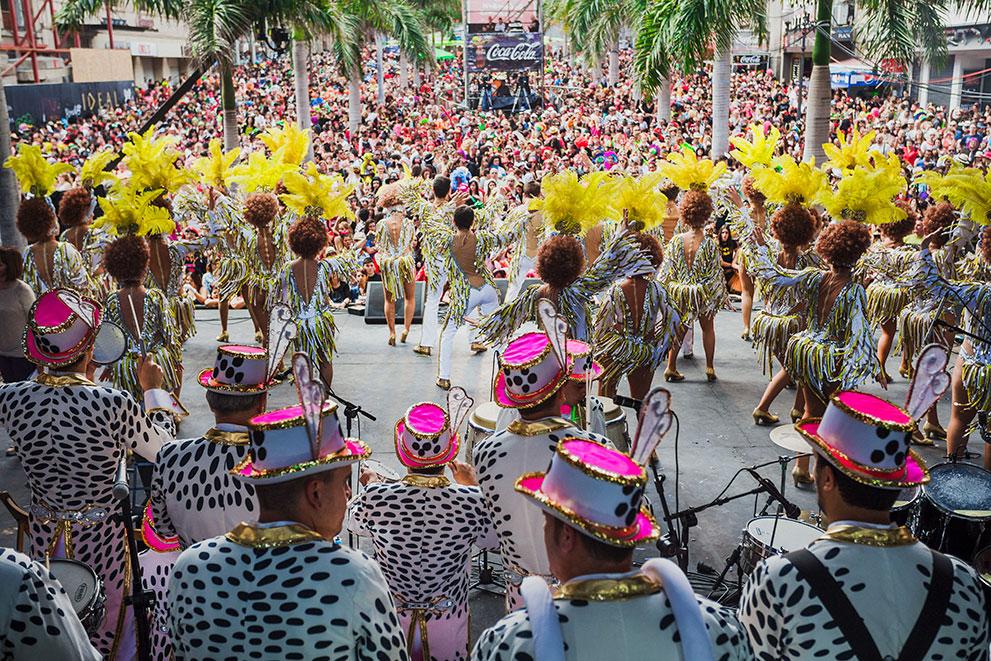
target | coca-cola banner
x=504, y=52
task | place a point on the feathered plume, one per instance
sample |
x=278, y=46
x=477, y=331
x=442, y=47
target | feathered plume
x=127, y=210
x=866, y=195
x=968, y=189
x=645, y=205
x=152, y=162
x=572, y=206
x=315, y=194
x=556, y=328
x=215, y=170
x=34, y=173
x=849, y=153
x=929, y=382
x=288, y=143
x=655, y=421
x=282, y=330
x=758, y=152
x=259, y=173
x=788, y=181
x=686, y=171
x=312, y=396
x=458, y=405
x=94, y=173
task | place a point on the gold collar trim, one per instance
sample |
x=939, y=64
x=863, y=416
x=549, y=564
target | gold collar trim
x=249, y=534
x=221, y=437
x=880, y=537
x=522, y=427
x=426, y=481
x=62, y=380
x=608, y=589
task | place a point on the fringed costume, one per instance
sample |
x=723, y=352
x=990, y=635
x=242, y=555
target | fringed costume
x=68, y=270
x=697, y=289
x=159, y=339
x=395, y=256
x=916, y=323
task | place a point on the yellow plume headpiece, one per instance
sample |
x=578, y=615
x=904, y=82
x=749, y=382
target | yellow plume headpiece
x=260, y=173
x=573, y=206
x=788, y=181
x=312, y=193
x=760, y=151
x=850, y=153
x=866, y=194
x=686, y=171
x=288, y=143
x=93, y=172
x=34, y=173
x=127, y=210
x=968, y=189
x=216, y=169
x=152, y=162
x=645, y=205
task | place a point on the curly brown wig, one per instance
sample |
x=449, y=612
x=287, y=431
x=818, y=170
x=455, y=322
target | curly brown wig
x=74, y=207
x=307, y=237
x=899, y=229
x=260, y=209
x=755, y=197
x=126, y=259
x=986, y=243
x=560, y=260
x=35, y=219
x=651, y=247
x=937, y=221
x=389, y=196
x=792, y=225
x=696, y=207
x=843, y=242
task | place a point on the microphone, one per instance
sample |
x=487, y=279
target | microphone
x=121, y=488
x=628, y=402
x=792, y=510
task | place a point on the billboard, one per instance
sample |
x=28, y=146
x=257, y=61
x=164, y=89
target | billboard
x=52, y=102
x=504, y=52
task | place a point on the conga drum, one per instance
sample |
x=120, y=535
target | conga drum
x=481, y=425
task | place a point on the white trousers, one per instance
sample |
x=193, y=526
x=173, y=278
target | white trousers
x=687, y=344
x=487, y=300
x=527, y=264
x=431, y=324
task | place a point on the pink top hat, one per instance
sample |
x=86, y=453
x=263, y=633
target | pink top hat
x=867, y=438
x=61, y=328
x=580, y=354
x=238, y=370
x=595, y=489
x=529, y=372
x=281, y=449
x=424, y=437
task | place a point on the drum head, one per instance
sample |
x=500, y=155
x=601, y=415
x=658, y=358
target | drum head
x=790, y=535
x=78, y=581
x=982, y=563
x=609, y=407
x=963, y=490
x=485, y=415
x=110, y=345
x=906, y=498
x=787, y=437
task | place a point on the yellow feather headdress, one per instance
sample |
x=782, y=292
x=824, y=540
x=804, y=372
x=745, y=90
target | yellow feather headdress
x=312, y=193
x=790, y=182
x=215, y=169
x=34, y=173
x=288, y=143
x=866, y=194
x=968, y=189
x=152, y=162
x=93, y=172
x=758, y=152
x=127, y=210
x=644, y=204
x=260, y=173
x=572, y=205
x=687, y=171
x=849, y=153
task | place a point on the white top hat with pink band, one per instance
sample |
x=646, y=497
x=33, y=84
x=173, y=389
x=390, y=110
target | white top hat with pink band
x=61, y=328
x=281, y=449
x=867, y=438
x=582, y=364
x=424, y=437
x=595, y=489
x=529, y=372
x=238, y=370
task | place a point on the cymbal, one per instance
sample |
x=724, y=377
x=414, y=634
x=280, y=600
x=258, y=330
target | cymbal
x=787, y=437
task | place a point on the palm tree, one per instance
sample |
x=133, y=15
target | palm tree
x=438, y=16
x=652, y=58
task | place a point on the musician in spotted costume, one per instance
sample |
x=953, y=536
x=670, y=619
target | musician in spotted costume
x=424, y=554
x=867, y=588
x=70, y=435
x=36, y=616
x=282, y=587
x=193, y=495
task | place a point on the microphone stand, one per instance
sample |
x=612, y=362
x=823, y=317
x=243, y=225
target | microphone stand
x=669, y=545
x=140, y=600
x=351, y=413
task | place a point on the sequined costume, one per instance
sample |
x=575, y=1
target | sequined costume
x=916, y=323
x=314, y=316
x=835, y=346
x=181, y=308
x=159, y=339
x=887, y=296
x=243, y=269
x=395, y=258
x=621, y=258
x=68, y=270
x=623, y=346
x=697, y=289
x=94, y=245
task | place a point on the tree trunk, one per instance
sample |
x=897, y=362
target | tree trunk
x=664, y=101
x=229, y=103
x=614, y=65
x=9, y=235
x=301, y=78
x=722, y=75
x=820, y=94
x=379, y=69
x=354, y=103
x=403, y=71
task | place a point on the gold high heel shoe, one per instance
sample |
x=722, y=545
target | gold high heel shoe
x=673, y=376
x=478, y=347
x=906, y=372
x=402, y=338
x=745, y=336
x=933, y=432
x=802, y=478
x=710, y=374
x=444, y=384
x=392, y=340
x=422, y=350
x=795, y=415
x=224, y=337
x=765, y=418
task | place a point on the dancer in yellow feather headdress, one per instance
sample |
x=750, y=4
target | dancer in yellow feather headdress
x=968, y=189
x=573, y=206
x=75, y=212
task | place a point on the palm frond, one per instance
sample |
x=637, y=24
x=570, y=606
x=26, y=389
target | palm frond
x=595, y=25
x=884, y=29
x=930, y=26
x=73, y=13
x=699, y=24
x=214, y=28
x=401, y=21
x=652, y=58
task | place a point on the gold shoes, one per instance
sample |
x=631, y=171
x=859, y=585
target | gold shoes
x=224, y=337
x=765, y=418
x=673, y=376
x=796, y=415
x=745, y=336
x=444, y=384
x=259, y=337
x=930, y=434
x=422, y=350
x=392, y=340
x=802, y=478
x=478, y=347
x=906, y=372
x=710, y=374
x=402, y=338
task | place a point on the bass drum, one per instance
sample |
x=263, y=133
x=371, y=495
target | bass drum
x=615, y=423
x=765, y=536
x=85, y=590
x=955, y=510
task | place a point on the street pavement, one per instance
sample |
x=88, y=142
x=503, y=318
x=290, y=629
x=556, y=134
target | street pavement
x=716, y=438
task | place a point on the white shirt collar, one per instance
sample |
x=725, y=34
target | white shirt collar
x=863, y=524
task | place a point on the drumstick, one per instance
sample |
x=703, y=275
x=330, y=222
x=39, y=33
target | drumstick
x=588, y=398
x=137, y=326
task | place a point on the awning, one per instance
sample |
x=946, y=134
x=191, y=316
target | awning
x=442, y=55
x=854, y=73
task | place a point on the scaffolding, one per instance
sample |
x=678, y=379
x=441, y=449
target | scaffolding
x=25, y=31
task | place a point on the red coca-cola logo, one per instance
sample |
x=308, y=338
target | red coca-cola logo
x=515, y=53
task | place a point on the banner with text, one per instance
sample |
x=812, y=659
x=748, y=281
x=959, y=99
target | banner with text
x=504, y=52
x=51, y=102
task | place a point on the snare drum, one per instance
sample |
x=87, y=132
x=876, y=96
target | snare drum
x=615, y=423
x=982, y=563
x=481, y=425
x=85, y=590
x=905, y=507
x=762, y=539
x=955, y=509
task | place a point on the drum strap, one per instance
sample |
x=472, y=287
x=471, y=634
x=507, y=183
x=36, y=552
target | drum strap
x=852, y=625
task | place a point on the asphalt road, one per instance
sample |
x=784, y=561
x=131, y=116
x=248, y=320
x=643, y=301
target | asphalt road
x=717, y=436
